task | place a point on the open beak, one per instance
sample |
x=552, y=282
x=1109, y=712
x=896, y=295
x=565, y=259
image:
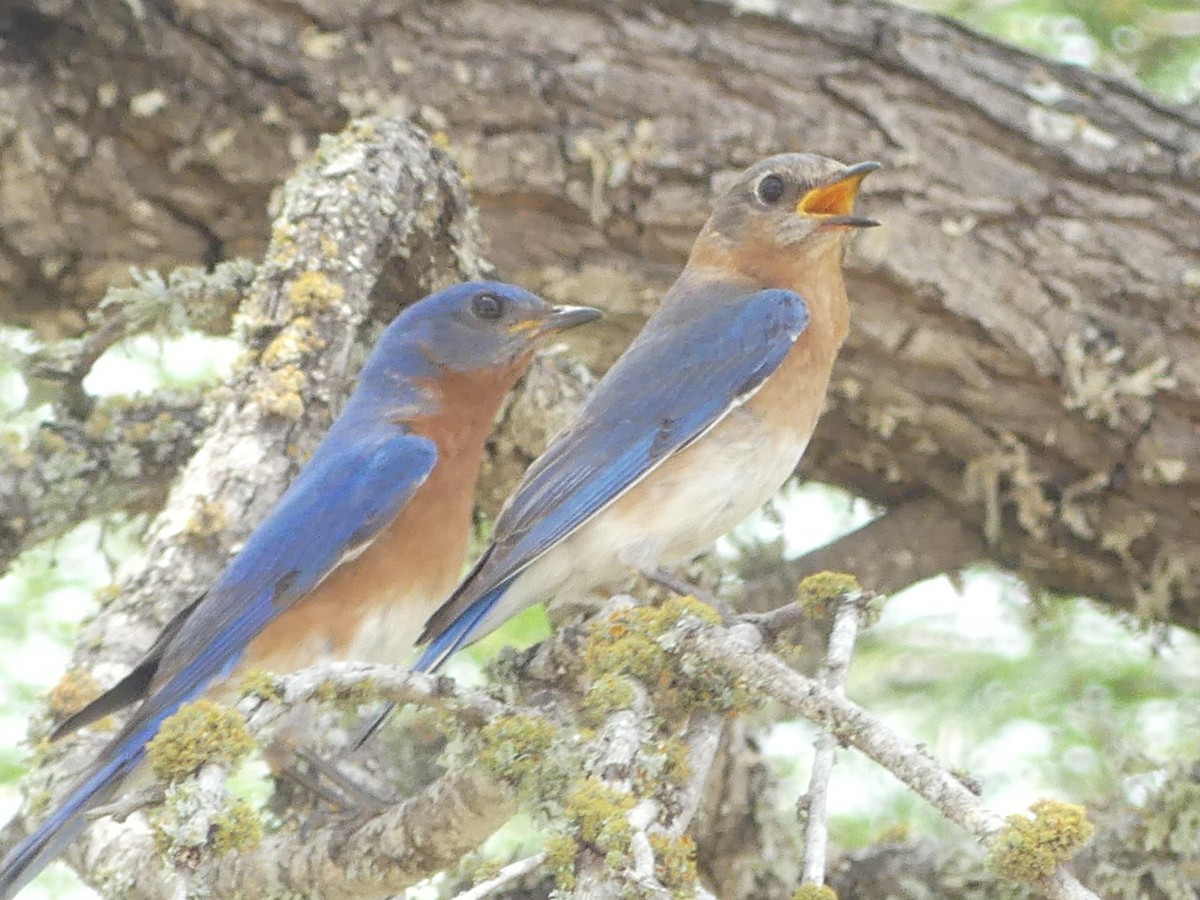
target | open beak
x=563, y=317
x=833, y=203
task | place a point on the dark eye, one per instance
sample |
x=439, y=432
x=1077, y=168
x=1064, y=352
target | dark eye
x=770, y=189
x=487, y=306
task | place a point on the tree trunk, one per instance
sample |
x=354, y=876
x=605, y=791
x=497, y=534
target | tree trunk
x=1024, y=344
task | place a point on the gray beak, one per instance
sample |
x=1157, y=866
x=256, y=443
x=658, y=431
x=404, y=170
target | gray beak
x=563, y=317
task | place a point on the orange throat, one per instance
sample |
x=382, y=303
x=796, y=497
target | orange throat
x=815, y=273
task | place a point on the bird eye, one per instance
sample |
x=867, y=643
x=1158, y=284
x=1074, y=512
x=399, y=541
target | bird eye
x=487, y=306
x=770, y=189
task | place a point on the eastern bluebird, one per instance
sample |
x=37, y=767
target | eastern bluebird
x=699, y=422
x=366, y=542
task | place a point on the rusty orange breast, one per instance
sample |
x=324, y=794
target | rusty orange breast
x=374, y=606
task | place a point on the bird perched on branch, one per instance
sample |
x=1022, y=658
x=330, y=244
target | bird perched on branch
x=366, y=542
x=699, y=422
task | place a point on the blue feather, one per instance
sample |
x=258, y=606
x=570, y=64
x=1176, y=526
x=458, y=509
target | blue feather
x=459, y=633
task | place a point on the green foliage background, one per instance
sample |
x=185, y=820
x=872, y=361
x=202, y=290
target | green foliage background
x=1156, y=42
x=1032, y=696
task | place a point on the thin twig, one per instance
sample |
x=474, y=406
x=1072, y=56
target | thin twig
x=127, y=804
x=703, y=738
x=684, y=588
x=739, y=650
x=508, y=874
x=393, y=683
x=837, y=661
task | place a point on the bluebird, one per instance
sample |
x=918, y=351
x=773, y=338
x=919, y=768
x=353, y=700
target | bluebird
x=699, y=422
x=357, y=553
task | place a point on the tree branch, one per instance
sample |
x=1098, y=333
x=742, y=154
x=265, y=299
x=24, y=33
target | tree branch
x=739, y=650
x=123, y=456
x=504, y=877
x=882, y=554
x=848, y=614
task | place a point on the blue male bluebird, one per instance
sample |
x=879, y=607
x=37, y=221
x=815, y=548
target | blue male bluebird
x=699, y=422
x=359, y=550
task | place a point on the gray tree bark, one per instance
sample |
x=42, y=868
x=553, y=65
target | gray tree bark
x=1024, y=344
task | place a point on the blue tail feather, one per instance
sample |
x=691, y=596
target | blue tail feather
x=439, y=650
x=459, y=632
x=62, y=826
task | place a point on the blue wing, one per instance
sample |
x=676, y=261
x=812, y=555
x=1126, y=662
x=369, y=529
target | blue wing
x=682, y=374
x=337, y=505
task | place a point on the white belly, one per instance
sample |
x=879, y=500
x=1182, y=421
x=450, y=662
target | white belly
x=389, y=633
x=678, y=510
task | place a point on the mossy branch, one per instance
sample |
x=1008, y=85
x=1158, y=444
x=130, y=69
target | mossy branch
x=739, y=651
x=121, y=457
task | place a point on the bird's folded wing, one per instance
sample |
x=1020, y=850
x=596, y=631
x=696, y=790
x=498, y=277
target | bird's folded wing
x=336, y=506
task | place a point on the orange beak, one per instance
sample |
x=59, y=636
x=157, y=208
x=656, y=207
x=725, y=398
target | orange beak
x=834, y=202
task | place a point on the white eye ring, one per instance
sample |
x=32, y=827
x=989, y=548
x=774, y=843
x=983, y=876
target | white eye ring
x=770, y=188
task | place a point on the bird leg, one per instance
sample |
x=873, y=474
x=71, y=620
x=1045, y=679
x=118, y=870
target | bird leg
x=371, y=726
x=329, y=784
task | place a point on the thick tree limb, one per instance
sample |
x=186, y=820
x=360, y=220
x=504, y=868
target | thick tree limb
x=1024, y=343
x=884, y=555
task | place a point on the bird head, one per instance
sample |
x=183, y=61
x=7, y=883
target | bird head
x=795, y=202
x=483, y=325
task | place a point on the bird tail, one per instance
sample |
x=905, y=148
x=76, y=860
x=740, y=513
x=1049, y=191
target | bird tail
x=455, y=635
x=460, y=631
x=63, y=825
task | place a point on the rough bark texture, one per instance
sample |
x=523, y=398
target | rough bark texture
x=1024, y=343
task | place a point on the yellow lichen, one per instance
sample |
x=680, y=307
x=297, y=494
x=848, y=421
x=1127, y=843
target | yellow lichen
x=479, y=868
x=598, y=814
x=291, y=344
x=815, y=892
x=199, y=733
x=259, y=683
x=513, y=748
x=1030, y=849
x=607, y=694
x=663, y=768
x=896, y=833
x=675, y=864
x=313, y=290
x=98, y=422
x=237, y=827
x=39, y=803
x=50, y=441
x=138, y=432
x=561, y=850
x=280, y=395
x=820, y=593
x=208, y=519
x=349, y=697
x=108, y=593
x=628, y=643
x=74, y=691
